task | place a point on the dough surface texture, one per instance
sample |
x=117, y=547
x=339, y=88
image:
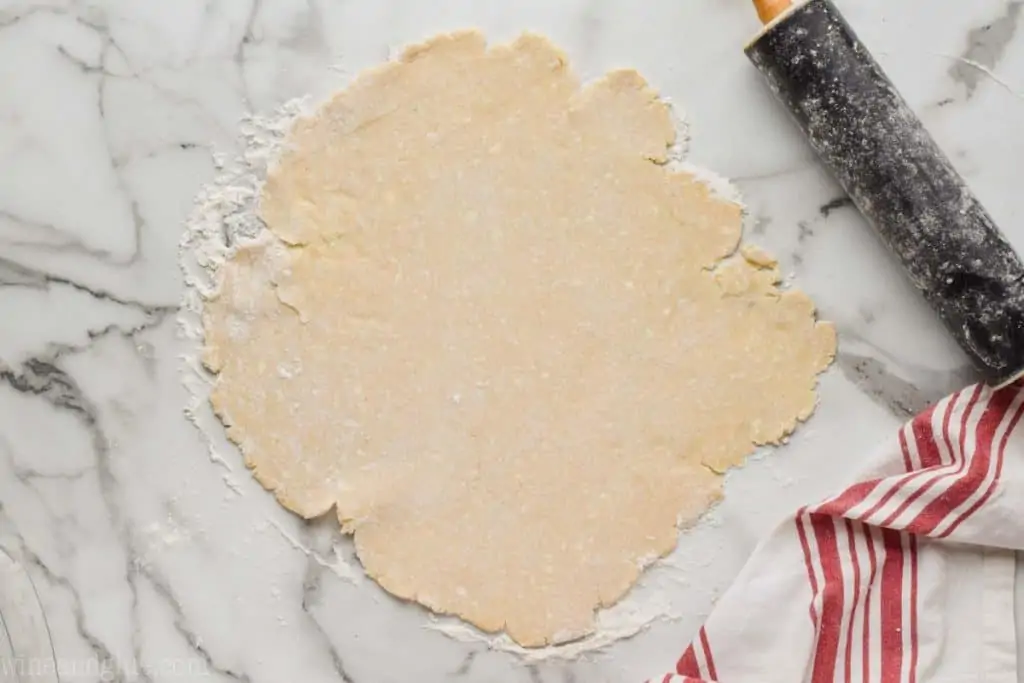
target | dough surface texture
x=494, y=331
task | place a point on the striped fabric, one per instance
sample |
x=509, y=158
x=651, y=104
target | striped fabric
x=906, y=576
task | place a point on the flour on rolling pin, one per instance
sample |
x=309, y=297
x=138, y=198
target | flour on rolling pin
x=869, y=138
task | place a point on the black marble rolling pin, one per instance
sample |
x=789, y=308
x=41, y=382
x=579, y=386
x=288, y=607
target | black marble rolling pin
x=897, y=176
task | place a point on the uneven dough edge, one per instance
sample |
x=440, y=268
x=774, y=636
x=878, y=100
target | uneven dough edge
x=825, y=332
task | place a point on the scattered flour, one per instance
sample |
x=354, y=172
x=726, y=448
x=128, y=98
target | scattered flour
x=225, y=219
x=626, y=619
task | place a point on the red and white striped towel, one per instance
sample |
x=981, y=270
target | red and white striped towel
x=906, y=576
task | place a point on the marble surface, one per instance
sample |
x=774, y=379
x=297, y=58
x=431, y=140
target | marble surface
x=148, y=565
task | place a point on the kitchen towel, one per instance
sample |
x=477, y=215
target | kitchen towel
x=905, y=576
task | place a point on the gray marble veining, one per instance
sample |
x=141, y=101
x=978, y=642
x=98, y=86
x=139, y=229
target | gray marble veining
x=149, y=565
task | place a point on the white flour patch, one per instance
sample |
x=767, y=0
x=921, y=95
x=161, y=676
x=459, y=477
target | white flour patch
x=624, y=620
x=225, y=219
x=680, y=147
x=720, y=186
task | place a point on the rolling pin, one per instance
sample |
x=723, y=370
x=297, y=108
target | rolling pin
x=896, y=175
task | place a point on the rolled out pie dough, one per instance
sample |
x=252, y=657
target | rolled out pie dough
x=496, y=332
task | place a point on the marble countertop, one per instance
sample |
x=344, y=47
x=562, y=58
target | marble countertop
x=148, y=564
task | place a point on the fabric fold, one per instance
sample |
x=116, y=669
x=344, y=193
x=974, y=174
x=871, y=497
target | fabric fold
x=906, y=575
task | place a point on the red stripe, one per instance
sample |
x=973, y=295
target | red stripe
x=907, y=464
x=948, y=416
x=962, y=442
x=856, y=597
x=712, y=674
x=892, y=607
x=865, y=645
x=687, y=664
x=807, y=563
x=924, y=439
x=1000, y=456
x=667, y=678
x=841, y=505
x=967, y=484
x=902, y=481
x=913, y=610
x=866, y=517
x=945, y=475
x=827, y=647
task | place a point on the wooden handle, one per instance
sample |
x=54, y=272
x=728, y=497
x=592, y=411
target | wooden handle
x=768, y=10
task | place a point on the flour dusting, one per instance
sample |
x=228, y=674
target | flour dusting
x=625, y=619
x=225, y=220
